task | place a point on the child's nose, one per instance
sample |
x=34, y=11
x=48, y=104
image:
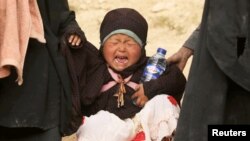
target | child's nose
x=122, y=47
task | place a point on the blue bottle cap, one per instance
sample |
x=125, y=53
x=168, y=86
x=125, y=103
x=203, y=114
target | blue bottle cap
x=162, y=51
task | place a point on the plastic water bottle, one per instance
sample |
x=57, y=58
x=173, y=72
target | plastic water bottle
x=156, y=65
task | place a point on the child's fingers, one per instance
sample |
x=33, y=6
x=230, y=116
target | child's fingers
x=74, y=40
x=70, y=38
x=135, y=95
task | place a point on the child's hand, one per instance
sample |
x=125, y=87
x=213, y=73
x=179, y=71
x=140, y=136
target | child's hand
x=74, y=40
x=139, y=97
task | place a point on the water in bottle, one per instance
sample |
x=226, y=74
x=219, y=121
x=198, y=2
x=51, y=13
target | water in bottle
x=156, y=65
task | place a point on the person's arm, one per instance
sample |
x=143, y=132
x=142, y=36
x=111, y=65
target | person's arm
x=181, y=57
x=171, y=82
x=71, y=31
x=191, y=42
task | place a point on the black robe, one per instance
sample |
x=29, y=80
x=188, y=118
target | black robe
x=44, y=100
x=218, y=88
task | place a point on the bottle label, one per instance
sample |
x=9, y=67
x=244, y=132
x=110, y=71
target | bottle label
x=152, y=72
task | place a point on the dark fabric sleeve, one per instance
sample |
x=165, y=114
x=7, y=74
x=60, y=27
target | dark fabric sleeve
x=85, y=60
x=70, y=27
x=59, y=22
x=193, y=39
x=171, y=82
x=78, y=62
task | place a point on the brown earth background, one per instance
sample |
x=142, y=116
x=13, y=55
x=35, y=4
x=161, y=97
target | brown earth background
x=170, y=22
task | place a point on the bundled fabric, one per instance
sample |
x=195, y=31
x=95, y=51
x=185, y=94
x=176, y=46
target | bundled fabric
x=156, y=120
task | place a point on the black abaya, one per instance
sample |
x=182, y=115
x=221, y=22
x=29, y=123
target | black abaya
x=218, y=88
x=43, y=102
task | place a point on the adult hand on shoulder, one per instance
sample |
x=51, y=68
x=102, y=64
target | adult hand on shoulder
x=139, y=97
x=181, y=57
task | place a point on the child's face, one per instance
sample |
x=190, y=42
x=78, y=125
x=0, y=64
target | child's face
x=121, y=51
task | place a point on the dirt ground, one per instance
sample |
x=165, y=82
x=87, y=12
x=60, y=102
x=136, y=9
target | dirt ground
x=170, y=22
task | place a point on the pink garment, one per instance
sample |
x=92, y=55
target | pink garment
x=116, y=78
x=19, y=21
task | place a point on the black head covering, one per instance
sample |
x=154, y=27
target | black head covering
x=124, y=18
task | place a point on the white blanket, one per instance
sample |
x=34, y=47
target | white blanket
x=158, y=119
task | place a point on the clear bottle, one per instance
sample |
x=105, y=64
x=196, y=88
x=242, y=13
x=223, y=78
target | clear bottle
x=156, y=65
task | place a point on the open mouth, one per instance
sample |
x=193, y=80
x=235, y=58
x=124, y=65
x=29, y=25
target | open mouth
x=121, y=59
